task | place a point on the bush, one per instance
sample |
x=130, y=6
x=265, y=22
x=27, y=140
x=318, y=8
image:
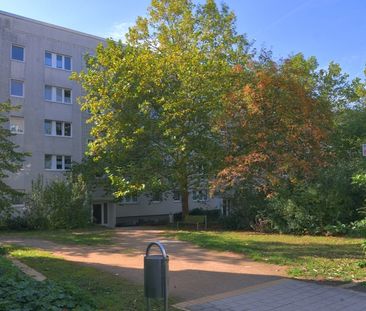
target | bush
x=16, y=223
x=59, y=204
x=235, y=221
x=358, y=228
x=213, y=214
x=337, y=229
x=19, y=292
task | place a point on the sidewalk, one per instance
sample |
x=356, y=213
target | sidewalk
x=282, y=295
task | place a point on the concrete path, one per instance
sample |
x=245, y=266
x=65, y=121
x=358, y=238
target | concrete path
x=194, y=272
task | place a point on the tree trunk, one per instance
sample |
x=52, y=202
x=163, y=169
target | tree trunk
x=185, y=206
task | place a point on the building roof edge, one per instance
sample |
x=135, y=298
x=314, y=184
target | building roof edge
x=52, y=25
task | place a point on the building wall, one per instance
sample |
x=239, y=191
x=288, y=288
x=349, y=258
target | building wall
x=36, y=38
x=145, y=207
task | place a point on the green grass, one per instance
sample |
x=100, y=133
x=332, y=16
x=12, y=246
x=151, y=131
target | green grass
x=88, y=236
x=312, y=257
x=104, y=290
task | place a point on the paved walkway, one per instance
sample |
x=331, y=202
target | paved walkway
x=203, y=279
x=282, y=295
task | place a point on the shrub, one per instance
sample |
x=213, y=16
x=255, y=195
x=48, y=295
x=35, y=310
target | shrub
x=16, y=223
x=211, y=214
x=63, y=203
x=19, y=292
x=337, y=229
x=37, y=211
x=358, y=228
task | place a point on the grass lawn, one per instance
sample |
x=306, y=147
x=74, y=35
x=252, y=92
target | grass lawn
x=101, y=290
x=312, y=257
x=88, y=236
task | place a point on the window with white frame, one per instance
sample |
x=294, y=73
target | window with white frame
x=129, y=199
x=17, y=52
x=17, y=88
x=57, y=128
x=59, y=61
x=199, y=195
x=18, y=199
x=157, y=196
x=176, y=195
x=57, y=94
x=16, y=125
x=57, y=162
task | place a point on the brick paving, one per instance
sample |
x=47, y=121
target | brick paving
x=284, y=295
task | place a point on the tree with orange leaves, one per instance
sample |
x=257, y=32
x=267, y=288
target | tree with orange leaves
x=276, y=124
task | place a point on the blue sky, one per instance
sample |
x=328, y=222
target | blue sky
x=328, y=29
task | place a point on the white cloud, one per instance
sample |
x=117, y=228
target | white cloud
x=119, y=30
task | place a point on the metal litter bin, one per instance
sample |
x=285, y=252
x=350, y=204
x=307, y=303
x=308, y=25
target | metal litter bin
x=156, y=269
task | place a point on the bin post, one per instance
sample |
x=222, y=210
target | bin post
x=156, y=269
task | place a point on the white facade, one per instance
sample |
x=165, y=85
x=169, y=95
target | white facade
x=26, y=73
x=36, y=60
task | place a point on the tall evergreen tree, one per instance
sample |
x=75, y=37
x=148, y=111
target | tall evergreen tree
x=10, y=159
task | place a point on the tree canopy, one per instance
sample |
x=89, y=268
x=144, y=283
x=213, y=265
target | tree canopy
x=153, y=100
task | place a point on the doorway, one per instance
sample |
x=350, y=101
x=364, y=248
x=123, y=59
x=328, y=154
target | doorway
x=100, y=213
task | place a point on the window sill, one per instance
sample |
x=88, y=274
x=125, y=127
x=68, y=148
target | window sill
x=51, y=67
x=55, y=170
x=17, y=96
x=57, y=136
x=17, y=60
x=56, y=102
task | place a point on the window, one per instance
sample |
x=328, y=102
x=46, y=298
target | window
x=17, y=125
x=67, y=96
x=48, y=127
x=199, y=196
x=48, y=59
x=17, y=53
x=67, y=162
x=57, y=60
x=48, y=162
x=16, y=88
x=157, y=196
x=57, y=128
x=19, y=198
x=176, y=195
x=57, y=94
x=129, y=199
x=48, y=92
x=67, y=62
x=67, y=129
x=57, y=162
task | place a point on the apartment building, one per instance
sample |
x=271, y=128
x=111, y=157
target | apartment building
x=36, y=60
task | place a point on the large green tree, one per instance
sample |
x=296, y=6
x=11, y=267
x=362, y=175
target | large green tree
x=154, y=99
x=10, y=159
